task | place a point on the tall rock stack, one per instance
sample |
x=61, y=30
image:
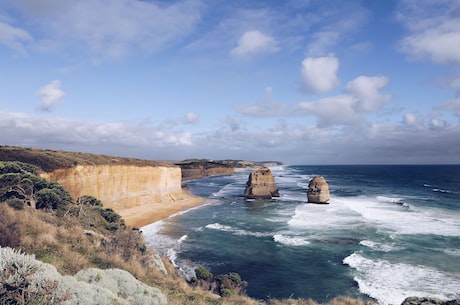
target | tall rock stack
x=261, y=185
x=318, y=190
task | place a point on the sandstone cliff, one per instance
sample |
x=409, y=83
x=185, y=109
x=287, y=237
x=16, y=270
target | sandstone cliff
x=120, y=186
x=261, y=185
x=195, y=169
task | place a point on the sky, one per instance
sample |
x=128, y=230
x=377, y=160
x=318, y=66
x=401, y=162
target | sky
x=297, y=81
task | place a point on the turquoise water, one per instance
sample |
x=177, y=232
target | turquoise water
x=389, y=232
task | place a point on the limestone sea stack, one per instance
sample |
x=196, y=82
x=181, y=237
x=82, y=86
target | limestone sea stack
x=318, y=190
x=261, y=185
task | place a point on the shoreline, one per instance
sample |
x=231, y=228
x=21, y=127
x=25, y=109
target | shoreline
x=145, y=214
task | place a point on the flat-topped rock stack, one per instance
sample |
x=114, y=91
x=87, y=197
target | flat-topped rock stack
x=318, y=190
x=261, y=185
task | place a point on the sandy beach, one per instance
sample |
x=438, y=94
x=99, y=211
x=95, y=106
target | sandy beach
x=142, y=215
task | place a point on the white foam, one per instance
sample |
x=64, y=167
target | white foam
x=391, y=283
x=225, y=228
x=320, y=216
x=376, y=246
x=290, y=240
x=401, y=220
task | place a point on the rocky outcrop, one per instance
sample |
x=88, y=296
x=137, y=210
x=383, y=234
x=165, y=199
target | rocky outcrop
x=196, y=169
x=261, y=185
x=318, y=190
x=428, y=301
x=120, y=186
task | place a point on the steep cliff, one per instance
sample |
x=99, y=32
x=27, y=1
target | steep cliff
x=121, y=186
x=195, y=169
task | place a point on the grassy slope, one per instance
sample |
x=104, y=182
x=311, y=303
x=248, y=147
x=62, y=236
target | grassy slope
x=49, y=160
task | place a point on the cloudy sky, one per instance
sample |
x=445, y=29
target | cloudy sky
x=300, y=81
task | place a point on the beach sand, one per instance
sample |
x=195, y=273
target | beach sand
x=145, y=214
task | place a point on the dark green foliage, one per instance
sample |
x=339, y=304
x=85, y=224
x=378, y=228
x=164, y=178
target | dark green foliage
x=16, y=203
x=203, y=274
x=230, y=284
x=18, y=182
x=18, y=167
x=113, y=220
x=89, y=200
x=225, y=285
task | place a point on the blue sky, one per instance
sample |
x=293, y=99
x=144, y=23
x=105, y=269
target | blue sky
x=305, y=82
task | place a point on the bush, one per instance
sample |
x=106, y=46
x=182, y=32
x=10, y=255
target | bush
x=27, y=281
x=203, y=274
x=16, y=203
x=89, y=200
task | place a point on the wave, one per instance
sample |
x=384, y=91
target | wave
x=382, y=247
x=290, y=240
x=400, y=219
x=391, y=283
x=225, y=228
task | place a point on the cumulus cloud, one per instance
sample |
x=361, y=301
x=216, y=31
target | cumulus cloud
x=253, y=42
x=434, y=30
x=14, y=38
x=50, y=95
x=319, y=74
x=127, y=26
x=362, y=96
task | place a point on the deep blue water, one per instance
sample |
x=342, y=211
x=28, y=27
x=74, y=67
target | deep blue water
x=389, y=232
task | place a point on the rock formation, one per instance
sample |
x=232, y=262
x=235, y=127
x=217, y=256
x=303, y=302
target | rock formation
x=121, y=186
x=318, y=190
x=261, y=184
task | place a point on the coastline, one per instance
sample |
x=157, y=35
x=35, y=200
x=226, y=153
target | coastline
x=146, y=214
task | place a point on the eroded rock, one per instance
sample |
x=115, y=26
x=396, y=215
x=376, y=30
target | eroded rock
x=261, y=185
x=318, y=190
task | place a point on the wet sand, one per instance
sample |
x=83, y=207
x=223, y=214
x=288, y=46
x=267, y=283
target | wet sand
x=145, y=214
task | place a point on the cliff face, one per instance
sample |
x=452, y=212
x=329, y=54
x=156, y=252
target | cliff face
x=203, y=168
x=120, y=186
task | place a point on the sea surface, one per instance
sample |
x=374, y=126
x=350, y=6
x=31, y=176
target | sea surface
x=389, y=232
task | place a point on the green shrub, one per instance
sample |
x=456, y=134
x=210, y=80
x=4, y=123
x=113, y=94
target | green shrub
x=89, y=200
x=16, y=203
x=203, y=274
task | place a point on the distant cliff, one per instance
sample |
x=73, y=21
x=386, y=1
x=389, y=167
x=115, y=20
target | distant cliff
x=195, y=169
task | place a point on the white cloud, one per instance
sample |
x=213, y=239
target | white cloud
x=14, y=38
x=50, y=95
x=434, y=30
x=253, y=42
x=319, y=74
x=125, y=26
x=366, y=90
x=361, y=97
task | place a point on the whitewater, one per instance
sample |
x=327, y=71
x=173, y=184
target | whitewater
x=389, y=232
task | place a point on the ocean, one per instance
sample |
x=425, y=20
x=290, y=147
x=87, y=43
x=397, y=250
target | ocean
x=389, y=232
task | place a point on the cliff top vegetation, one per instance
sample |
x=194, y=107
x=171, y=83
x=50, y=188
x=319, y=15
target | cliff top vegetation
x=49, y=160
